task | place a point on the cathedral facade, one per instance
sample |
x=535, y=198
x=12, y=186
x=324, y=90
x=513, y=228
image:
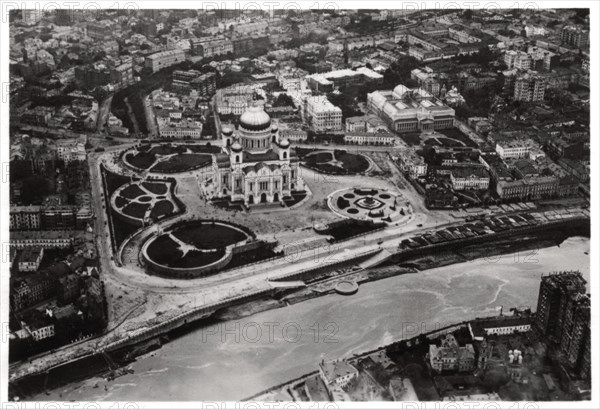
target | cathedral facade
x=255, y=165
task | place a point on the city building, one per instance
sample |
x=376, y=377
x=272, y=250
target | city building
x=463, y=34
x=30, y=259
x=40, y=328
x=25, y=217
x=479, y=124
x=563, y=315
x=158, y=61
x=449, y=356
x=556, y=291
x=55, y=239
x=31, y=289
x=338, y=373
x=410, y=110
x=69, y=151
x=575, y=36
x=366, y=138
x=471, y=177
x=206, y=48
x=31, y=17
x=412, y=163
x=237, y=98
x=186, y=81
x=529, y=188
x=513, y=149
x=294, y=135
x=180, y=128
x=529, y=87
x=101, y=74
x=326, y=82
x=519, y=60
x=100, y=30
x=531, y=30
x=256, y=164
x=542, y=58
x=504, y=325
x=365, y=123
x=321, y=115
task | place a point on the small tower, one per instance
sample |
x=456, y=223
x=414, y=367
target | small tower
x=284, y=149
x=236, y=156
x=227, y=135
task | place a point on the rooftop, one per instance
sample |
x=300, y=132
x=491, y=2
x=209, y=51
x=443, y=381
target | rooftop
x=336, y=369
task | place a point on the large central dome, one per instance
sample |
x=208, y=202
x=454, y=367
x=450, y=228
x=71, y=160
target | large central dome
x=255, y=119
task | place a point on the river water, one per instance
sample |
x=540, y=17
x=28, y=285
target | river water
x=234, y=360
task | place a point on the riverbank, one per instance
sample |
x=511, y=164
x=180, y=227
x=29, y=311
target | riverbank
x=527, y=246
x=524, y=249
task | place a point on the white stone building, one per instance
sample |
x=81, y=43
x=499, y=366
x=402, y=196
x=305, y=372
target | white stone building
x=256, y=164
x=410, y=110
x=322, y=115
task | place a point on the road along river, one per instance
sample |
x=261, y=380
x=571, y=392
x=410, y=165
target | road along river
x=236, y=359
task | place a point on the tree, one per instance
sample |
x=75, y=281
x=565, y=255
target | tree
x=468, y=14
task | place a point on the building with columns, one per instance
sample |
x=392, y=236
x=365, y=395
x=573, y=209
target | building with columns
x=256, y=165
x=410, y=110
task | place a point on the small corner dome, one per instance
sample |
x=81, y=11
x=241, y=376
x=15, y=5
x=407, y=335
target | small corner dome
x=284, y=143
x=236, y=147
x=227, y=131
x=400, y=90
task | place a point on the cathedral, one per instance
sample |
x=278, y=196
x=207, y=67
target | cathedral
x=255, y=165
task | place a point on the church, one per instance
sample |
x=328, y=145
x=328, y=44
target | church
x=255, y=164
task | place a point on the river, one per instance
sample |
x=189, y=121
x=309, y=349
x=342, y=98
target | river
x=236, y=359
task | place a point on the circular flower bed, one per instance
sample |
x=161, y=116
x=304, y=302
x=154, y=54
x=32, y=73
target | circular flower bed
x=369, y=204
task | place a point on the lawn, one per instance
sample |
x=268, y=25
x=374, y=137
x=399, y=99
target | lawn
x=163, y=250
x=141, y=160
x=183, y=162
x=156, y=188
x=120, y=201
x=208, y=236
x=319, y=157
x=167, y=149
x=446, y=142
x=411, y=138
x=353, y=163
x=161, y=208
x=146, y=157
x=455, y=133
x=137, y=210
x=351, y=228
x=131, y=192
x=296, y=197
x=204, y=149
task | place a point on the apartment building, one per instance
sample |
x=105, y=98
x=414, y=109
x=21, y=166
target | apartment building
x=164, y=59
x=529, y=87
x=30, y=259
x=322, y=115
x=25, y=217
